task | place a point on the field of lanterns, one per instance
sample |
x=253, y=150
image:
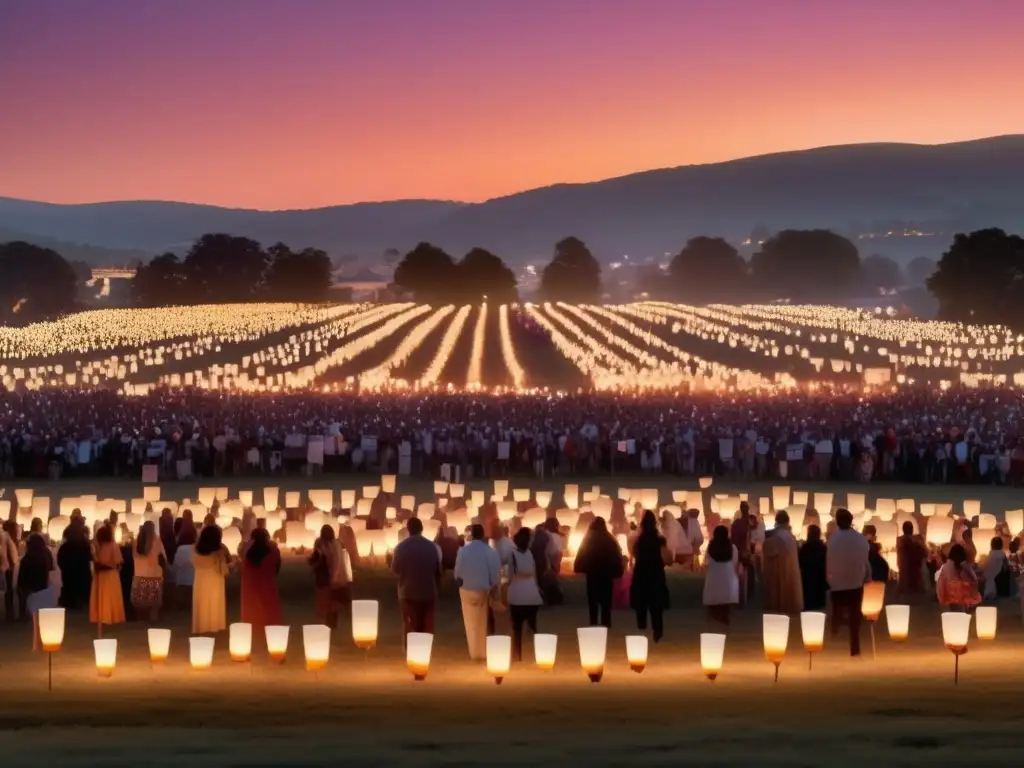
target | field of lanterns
x=646, y=345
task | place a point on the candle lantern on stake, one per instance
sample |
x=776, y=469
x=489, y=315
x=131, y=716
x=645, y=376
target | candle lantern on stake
x=51, y=637
x=712, y=654
x=956, y=630
x=812, y=625
x=871, y=606
x=593, y=643
x=775, y=627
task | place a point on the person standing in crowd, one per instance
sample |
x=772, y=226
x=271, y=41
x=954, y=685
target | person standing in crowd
x=478, y=573
x=261, y=605
x=546, y=549
x=147, y=591
x=524, y=598
x=648, y=591
x=106, y=603
x=417, y=564
x=996, y=572
x=35, y=581
x=168, y=537
x=846, y=565
x=722, y=577
x=184, y=571
x=211, y=562
x=8, y=571
x=739, y=535
x=600, y=559
x=783, y=592
x=813, y=576
x=331, y=576
x=74, y=559
x=911, y=555
x=957, y=585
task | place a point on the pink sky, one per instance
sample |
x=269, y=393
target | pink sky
x=305, y=103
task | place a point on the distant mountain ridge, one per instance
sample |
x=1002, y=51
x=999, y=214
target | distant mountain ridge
x=851, y=188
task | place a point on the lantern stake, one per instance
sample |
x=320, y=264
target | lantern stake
x=49, y=671
x=777, y=665
x=956, y=669
x=810, y=660
x=872, y=625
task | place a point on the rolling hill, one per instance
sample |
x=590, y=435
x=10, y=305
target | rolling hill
x=855, y=189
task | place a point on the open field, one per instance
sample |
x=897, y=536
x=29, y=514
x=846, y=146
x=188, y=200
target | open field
x=899, y=709
x=651, y=345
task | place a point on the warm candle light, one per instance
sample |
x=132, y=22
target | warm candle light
x=51, y=628
x=159, y=644
x=348, y=498
x=316, y=642
x=775, y=628
x=417, y=653
x=572, y=496
x=388, y=483
x=271, y=496
x=712, y=654
x=441, y=487
x=246, y=498
x=200, y=652
x=898, y=619
x=593, y=643
x=871, y=605
x=956, y=631
x=365, y=622
x=240, y=641
x=812, y=626
x=636, y=652
x=500, y=489
x=705, y=482
x=520, y=495
x=543, y=499
x=985, y=618
x=277, y=642
x=544, y=649
x=499, y=656
x=106, y=656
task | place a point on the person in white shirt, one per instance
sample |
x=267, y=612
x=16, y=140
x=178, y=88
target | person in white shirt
x=846, y=566
x=994, y=565
x=477, y=572
x=524, y=596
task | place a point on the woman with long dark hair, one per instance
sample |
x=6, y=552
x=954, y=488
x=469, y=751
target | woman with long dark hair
x=524, y=596
x=648, y=592
x=212, y=563
x=813, y=553
x=600, y=559
x=34, y=580
x=106, y=602
x=261, y=605
x=721, y=578
x=331, y=576
x=148, y=579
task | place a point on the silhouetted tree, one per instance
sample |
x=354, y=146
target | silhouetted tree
x=161, y=283
x=708, y=270
x=224, y=268
x=878, y=273
x=572, y=275
x=35, y=283
x=980, y=279
x=920, y=269
x=302, y=276
x=805, y=265
x=428, y=273
x=481, y=274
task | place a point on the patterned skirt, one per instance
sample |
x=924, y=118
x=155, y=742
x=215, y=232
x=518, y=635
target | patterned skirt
x=147, y=593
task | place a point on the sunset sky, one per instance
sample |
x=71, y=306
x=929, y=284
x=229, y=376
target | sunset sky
x=304, y=103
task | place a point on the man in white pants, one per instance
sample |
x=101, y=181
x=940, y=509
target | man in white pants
x=477, y=571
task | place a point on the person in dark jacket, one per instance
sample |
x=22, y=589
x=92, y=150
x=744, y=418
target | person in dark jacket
x=74, y=558
x=648, y=592
x=600, y=559
x=879, y=567
x=812, y=570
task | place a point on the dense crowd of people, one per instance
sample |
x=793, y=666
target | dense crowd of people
x=910, y=434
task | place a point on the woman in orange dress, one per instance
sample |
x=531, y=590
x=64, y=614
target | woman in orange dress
x=106, y=603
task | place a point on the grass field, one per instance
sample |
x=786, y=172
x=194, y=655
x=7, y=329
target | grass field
x=900, y=708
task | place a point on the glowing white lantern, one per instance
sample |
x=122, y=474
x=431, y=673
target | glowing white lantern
x=780, y=497
x=544, y=649
x=51, y=628
x=972, y=508
x=24, y=497
x=151, y=493
x=501, y=489
x=316, y=642
x=348, y=498
x=207, y=496
x=593, y=643
x=232, y=538
x=571, y=495
x=543, y=499
x=365, y=622
x=520, y=495
x=417, y=653
x=939, y=530
x=222, y=493
x=705, y=482
x=985, y=618
x=159, y=644
x=271, y=496
x=636, y=652
x=812, y=625
x=898, y=619
x=441, y=487
x=499, y=656
x=200, y=652
x=457, y=490
x=906, y=505
x=321, y=499
x=388, y=483
x=856, y=503
x=649, y=498
x=292, y=499
x=56, y=526
x=776, y=637
x=240, y=641
x=391, y=513
x=1014, y=520
x=823, y=502
x=956, y=631
x=712, y=654
x=246, y=498
x=277, y=642
x=800, y=498
x=106, y=656
x=40, y=509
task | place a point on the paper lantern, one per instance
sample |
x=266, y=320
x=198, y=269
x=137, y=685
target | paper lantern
x=985, y=618
x=388, y=483
x=391, y=513
x=207, y=496
x=906, y=505
x=417, y=653
x=927, y=509
x=24, y=497
x=812, y=626
x=1014, y=520
x=321, y=499
x=986, y=522
x=477, y=498
x=499, y=656
x=316, y=642
x=292, y=499
x=712, y=654
x=775, y=628
x=457, y=490
x=222, y=493
x=939, y=530
x=159, y=645
x=40, y=509
x=885, y=508
x=501, y=489
x=856, y=503
x=200, y=652
x=51, y=628
x=277, y=642
x=823, y=502
x=956, y=630
x=678, y=497
x=240, y=641
x=441, y=487
x=972, y=508
x=246, y=498
x=571, y=495
x=898, y=619
x=271, y=496
x=544, y=649
x=151, y=493
x=800, y=498
x=365, y=622
x=232, y=538
x=543, y=499
x=873, y=600
x=56, y=526
x=636, y=652
x=649, y=498
x=348, y=498
x=780, y=497
x=106, y=656
x=705, y=482
x=593, y=643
